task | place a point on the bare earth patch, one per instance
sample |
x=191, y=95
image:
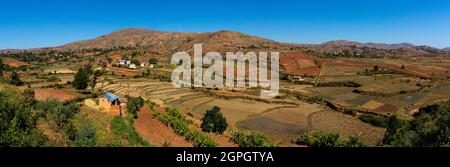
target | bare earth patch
x=155, y=132
x=60, y=95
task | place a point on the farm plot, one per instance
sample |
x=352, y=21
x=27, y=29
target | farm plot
x=188, y=103
x=283, y=121
x=155, y=132
x=345, y=125
x=60, y=95
x=235, y=110
x=286, y=121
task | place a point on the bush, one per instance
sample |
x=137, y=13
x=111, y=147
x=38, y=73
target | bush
x=18, y=124
x=252, y=139
x=120, y=128
x=133, y=106
x=56, y=113
x=374, y=120
x=180, y=126
x=15, y=79
x=429, y=128
x=320, y=139
x=214, y=121
x=86, y=137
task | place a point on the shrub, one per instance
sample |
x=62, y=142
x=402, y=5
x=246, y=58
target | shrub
x=133, y=106
x=374, y=120
x=180, y=126
x=120, y=128
x=86, y=137
x=429, y=128
x=214, y=121
x=252, y=139
x=18, y=124
x=15, y=79
x=320, y=139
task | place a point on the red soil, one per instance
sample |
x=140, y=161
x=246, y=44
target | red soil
x=60, y=95
x=121, y=71
x=155, y=132
x=298, y=64
x=16, y=63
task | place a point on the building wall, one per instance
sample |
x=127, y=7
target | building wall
x=105, y=104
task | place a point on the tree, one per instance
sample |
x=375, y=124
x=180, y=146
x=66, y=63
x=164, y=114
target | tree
x=97, y=74
x=375, y=68
x=429, y=128
x=153, y=61
x=28, y=95
x=81, y=79
x=15, y=79
x=86, y=137
x=18, y=123
x=124, y=57
x=214, y=121
x=135, y=61
x=133, y=105
x=2, y=67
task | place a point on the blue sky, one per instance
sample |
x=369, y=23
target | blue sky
x=42, y=23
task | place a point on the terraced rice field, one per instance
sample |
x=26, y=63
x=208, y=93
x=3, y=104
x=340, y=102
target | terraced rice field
x=235, y=110
x=286, y=121
x=281, y=122
x=345, y=125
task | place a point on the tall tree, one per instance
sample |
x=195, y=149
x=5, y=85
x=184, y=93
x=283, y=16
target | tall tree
x=15, y=79
x=81, y=79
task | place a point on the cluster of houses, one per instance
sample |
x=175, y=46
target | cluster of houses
x=129, y=64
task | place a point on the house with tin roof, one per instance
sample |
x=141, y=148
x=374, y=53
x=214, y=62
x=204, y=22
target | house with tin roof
x=112, y=104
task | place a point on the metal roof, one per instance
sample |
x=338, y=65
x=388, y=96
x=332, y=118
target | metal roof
x=111, y=97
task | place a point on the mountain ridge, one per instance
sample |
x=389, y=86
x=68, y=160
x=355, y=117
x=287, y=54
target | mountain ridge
x=225, y=40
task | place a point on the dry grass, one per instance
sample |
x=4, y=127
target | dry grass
x=372, y=105
x=345, y=125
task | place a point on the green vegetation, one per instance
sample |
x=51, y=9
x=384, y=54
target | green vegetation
x=15, y=79
x=81, y=79
x=59, y=117
x=122, y=129
x=18, y=122
x=49, y=78
x=136, y=62
x=320, y=139
x=429, y=128
x=252, y=139
x=214, y=121
x=86, y=137
x=174, y=119
x=3, y=67
x=133, y=106
x=339, y=84
x=23, y=121
x=28, y=95
x=375, y=120
x=97, y=74
x=153, y=61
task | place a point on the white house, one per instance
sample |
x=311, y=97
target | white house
x=143, y=64
x=296, y=78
